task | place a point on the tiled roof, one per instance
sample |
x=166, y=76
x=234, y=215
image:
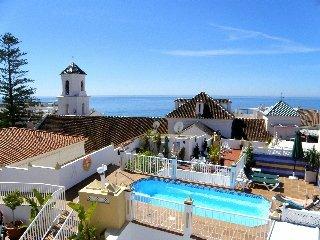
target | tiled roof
x=17, y=144
x=309, y=117
x=72, y=69
x=250, y=129
x=202, y=127
x=101, y=131
x=212, y=109
x=281, y=109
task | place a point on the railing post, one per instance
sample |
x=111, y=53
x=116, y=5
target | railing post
x=187, y=231
x=233, y=173
x=174, y=166
x=129, y=198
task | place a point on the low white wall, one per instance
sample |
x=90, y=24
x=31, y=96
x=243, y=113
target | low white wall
x=69, y=174
x=20, y=213
x=73, y=173
x=235, y=144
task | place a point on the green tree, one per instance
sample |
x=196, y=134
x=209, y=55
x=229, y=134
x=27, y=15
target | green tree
x=85, y=230
x=12, y=201
x=37, y=203
x=166, y=149
x=249, y=161
x=196, y=151
x=14, y=85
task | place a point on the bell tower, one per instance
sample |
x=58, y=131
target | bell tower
x=73, y=99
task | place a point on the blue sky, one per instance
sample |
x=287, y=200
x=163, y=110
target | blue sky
x=167, y=47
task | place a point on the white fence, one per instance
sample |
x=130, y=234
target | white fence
x=201, y=222
x=301, y=217
x=163, y=167
x=69, y=227
x=147, y=164
x=53, y=208
x=68, y=175
x=206, y=173
x=158, y=213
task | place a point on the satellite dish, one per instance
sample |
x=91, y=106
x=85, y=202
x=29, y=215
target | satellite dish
x=178, y=127
x=156, y=125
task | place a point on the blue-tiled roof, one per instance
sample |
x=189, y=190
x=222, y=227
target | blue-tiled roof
x=73, y=69
x=281, y=108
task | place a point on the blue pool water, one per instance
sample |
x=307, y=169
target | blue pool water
x=228, y=205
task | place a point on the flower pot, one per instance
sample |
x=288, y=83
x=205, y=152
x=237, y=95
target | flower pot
x=15, y=230
x=310, y=176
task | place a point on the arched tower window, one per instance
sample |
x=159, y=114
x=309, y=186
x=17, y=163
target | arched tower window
x=82, y=86
x=67, y=87
x=83, y=113
x=67, y=109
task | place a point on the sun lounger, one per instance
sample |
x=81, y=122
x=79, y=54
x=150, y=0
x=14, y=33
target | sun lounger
x=271, y=182
x=296, y=203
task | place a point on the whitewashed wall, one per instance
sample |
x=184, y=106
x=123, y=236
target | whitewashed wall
x=50, y=159
x=224, y=126
x=69, y=174
x=235, y=144
x=195, y=131
x=73, y=173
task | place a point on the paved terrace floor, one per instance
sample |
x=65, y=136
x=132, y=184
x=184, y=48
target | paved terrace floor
x=292, y=188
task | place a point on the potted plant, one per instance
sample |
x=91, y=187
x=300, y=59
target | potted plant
x=311, y=158
x=33, y=202
x=15, y=228
x=85, y=230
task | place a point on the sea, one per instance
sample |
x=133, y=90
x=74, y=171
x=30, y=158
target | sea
x=159, y=106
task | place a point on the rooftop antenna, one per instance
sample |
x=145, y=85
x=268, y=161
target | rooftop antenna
x=281, y=97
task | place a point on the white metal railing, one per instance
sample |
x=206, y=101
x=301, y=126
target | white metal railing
x=203, y=222
x=163, y=167
x=240, y=163
x=53, y=208
x=221, y=178
x=301, y=217
x=69, y=227
x=147, y=164
x=213, y=224
x=287, y=152
x=158, y=212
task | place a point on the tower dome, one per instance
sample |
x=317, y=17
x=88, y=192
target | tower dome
x=73, y=99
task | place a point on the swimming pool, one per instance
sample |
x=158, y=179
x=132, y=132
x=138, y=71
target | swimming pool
x=227, y=205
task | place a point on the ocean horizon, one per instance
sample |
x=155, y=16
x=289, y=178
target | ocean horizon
x=160, y=105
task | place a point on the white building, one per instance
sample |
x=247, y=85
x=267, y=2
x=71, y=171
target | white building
x=73, y=99
x=282, y=119
x=204, y=111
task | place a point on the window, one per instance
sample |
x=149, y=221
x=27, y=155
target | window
x=82, y=86
x=82, y=108
x=67, y=109
x=67, y=87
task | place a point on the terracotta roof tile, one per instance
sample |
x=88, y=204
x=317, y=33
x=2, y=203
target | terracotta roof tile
x=17, y=144
x=212, y=110
x=101, y=131
x=250, y=129
x=309, y=117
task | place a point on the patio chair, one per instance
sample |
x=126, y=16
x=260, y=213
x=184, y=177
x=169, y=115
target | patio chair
x=271, y=182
